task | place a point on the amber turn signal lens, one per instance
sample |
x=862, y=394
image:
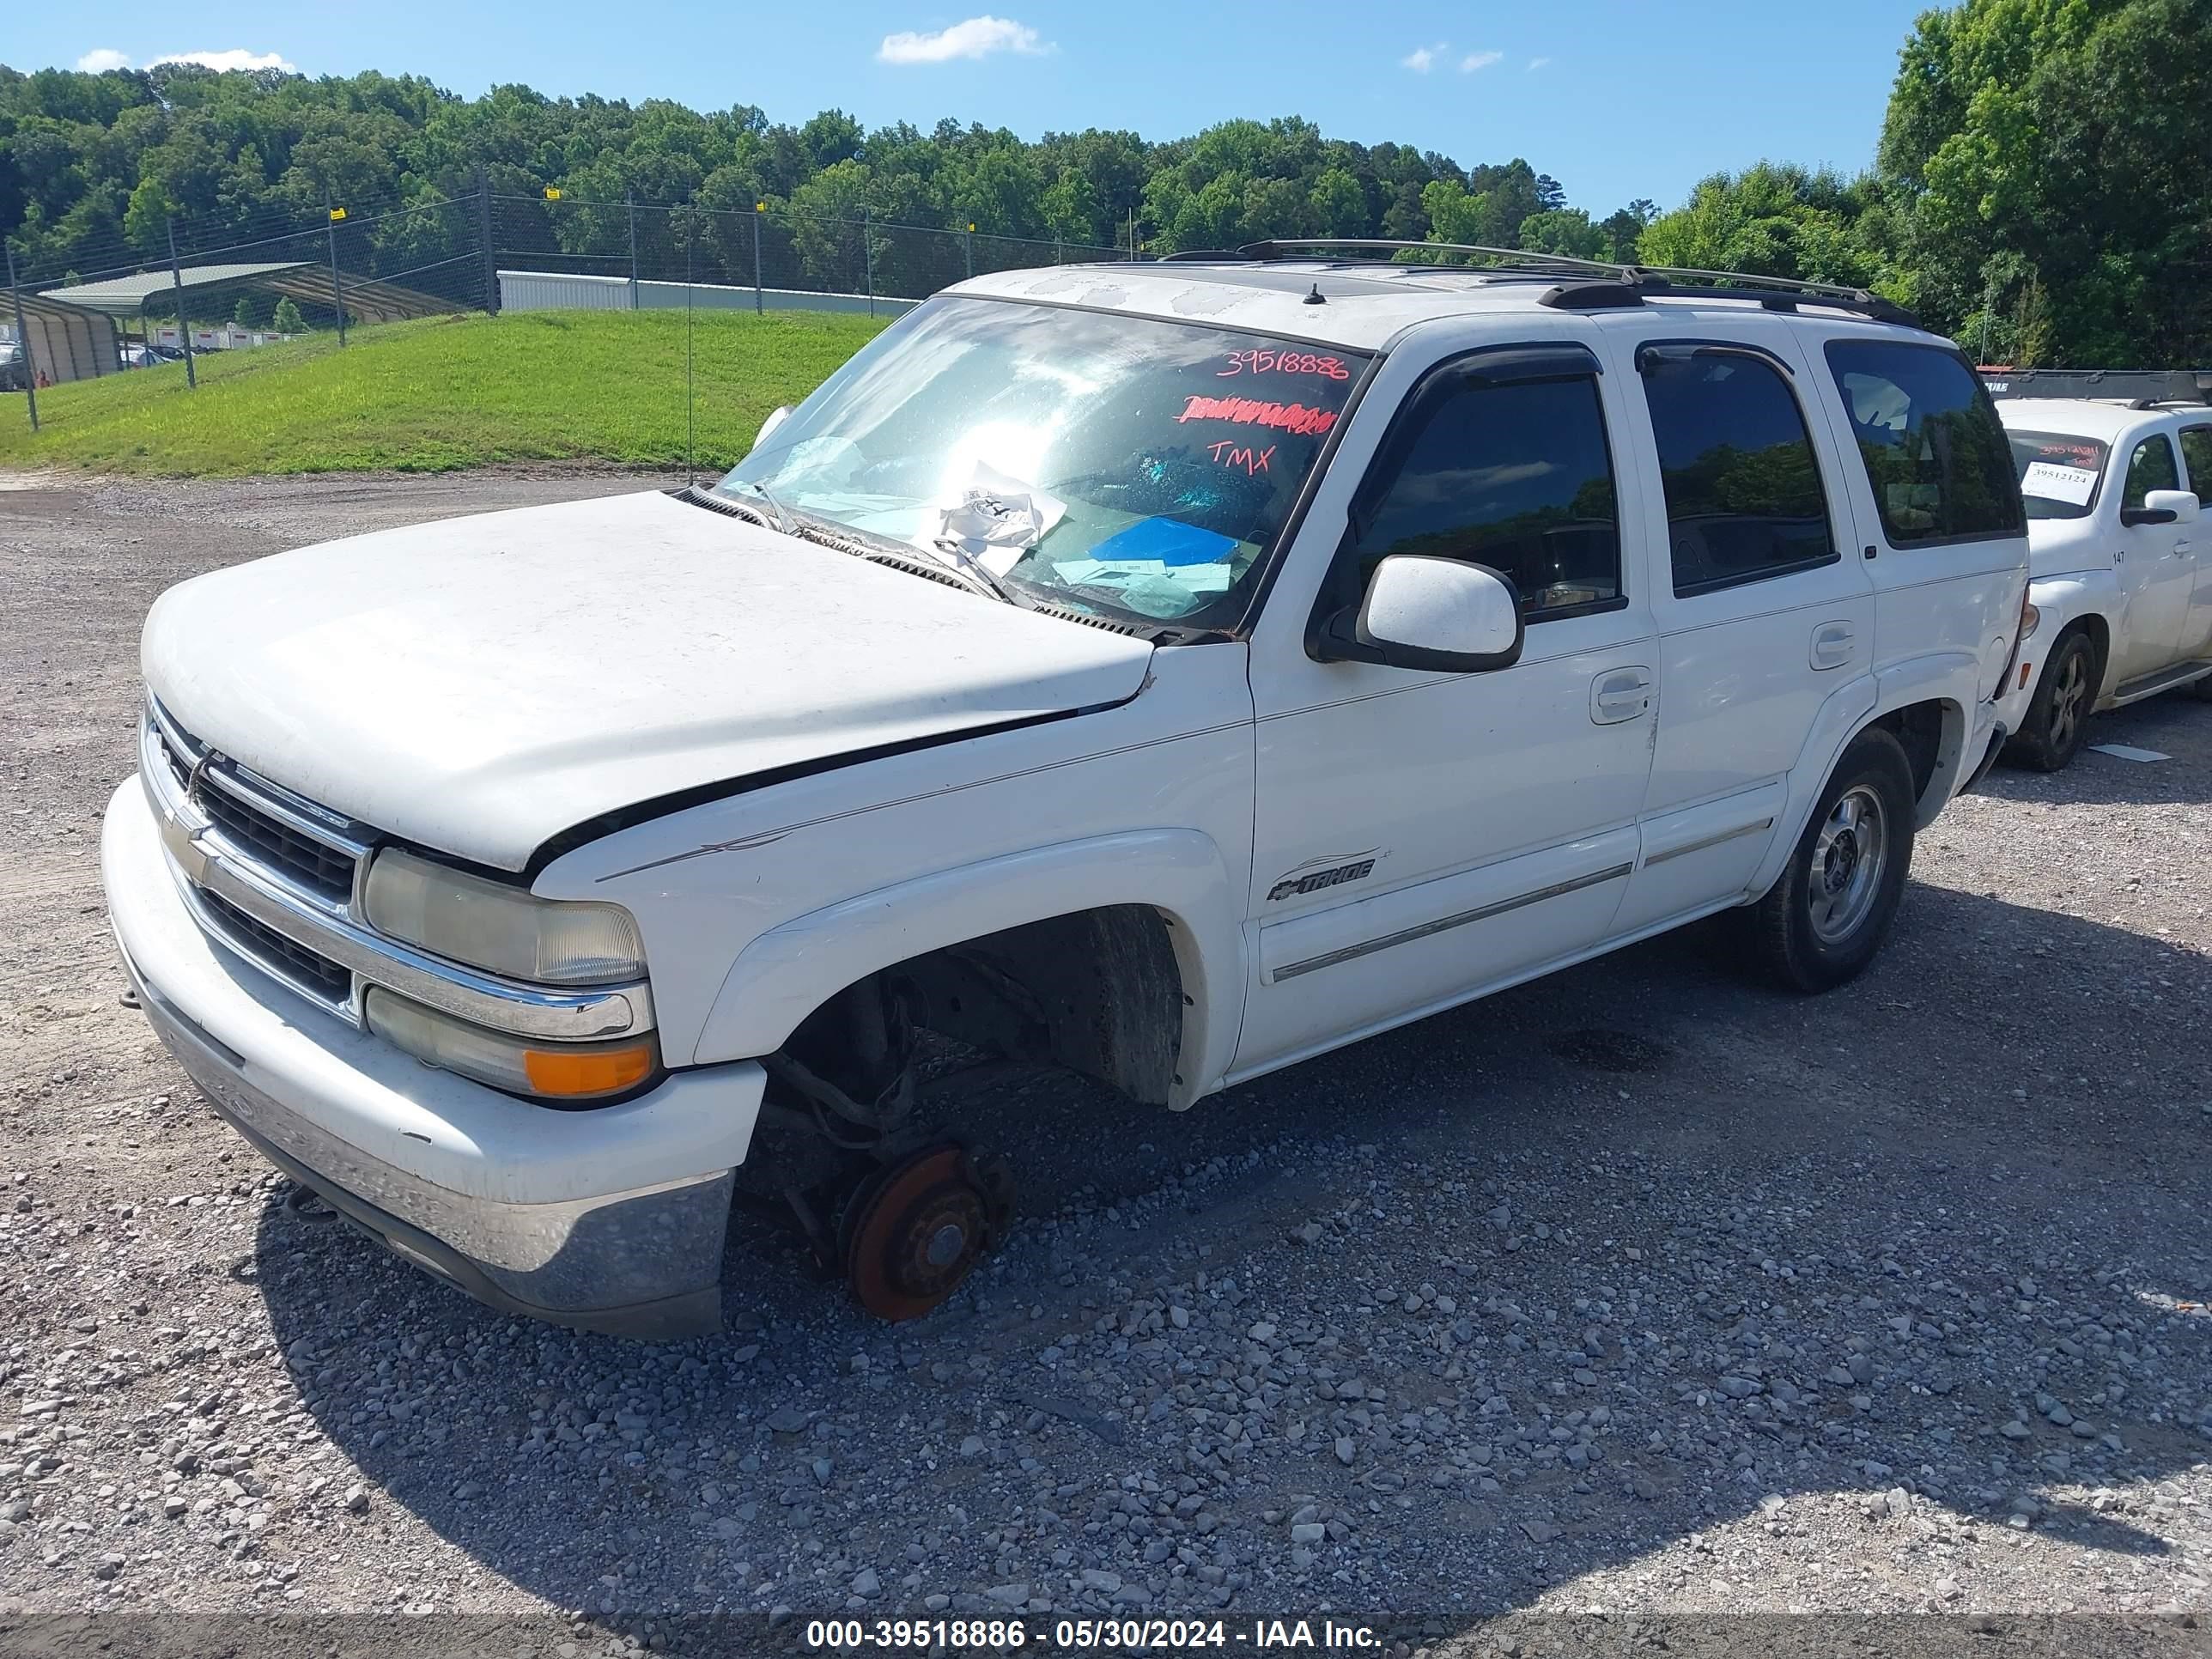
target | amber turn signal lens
x=590, y=1071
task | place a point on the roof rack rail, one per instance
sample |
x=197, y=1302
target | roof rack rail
x=1607, y=285
x=1290, y=247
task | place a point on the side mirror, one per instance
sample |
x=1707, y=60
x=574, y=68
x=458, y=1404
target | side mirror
x=1442, y=616
x=2162, y=507
x=777, y=417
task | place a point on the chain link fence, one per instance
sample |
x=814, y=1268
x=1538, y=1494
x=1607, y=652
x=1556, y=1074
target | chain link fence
x=760, y=249
x=150, y=291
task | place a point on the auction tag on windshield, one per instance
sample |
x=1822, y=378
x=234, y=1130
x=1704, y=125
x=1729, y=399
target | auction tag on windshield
x=2071, y=484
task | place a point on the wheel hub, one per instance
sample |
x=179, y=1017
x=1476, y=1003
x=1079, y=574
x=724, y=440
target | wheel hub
x=917, y=1229
x=1845, y=879
x=1843, y=859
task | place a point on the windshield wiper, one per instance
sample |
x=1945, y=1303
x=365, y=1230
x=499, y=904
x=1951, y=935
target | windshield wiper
x=864, y=544
x=969, y=565
x=774, y=506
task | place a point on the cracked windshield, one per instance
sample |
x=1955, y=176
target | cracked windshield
x=1109, y=464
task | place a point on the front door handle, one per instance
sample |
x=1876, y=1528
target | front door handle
x=2180, y=548
x=1834, y=645
x=1620, y=694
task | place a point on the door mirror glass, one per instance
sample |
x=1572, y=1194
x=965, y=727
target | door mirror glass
x=2164, y=507
x=777, y=417
x=1443, y=615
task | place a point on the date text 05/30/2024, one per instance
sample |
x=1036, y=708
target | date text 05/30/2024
x=1111, y=1635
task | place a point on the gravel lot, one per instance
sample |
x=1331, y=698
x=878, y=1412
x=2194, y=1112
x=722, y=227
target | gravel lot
x=1638, y=1287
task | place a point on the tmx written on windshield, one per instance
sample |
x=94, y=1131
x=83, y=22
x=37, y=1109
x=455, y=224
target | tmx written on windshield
x=1109, y=463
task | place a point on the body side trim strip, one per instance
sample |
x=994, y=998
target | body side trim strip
x=1483, y=913
x=1700, y=845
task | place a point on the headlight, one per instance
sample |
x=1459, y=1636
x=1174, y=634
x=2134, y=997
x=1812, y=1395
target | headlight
x=564, y=1071
x=502, y=929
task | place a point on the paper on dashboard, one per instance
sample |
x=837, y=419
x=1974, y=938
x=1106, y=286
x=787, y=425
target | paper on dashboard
x=998, y=518
x=2072, y=485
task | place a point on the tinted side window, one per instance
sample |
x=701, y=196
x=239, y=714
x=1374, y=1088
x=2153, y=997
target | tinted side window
x=2151, y=467
x=2196, y=450
x=1743, y=489
x=1934, y=449
x=1516, y=476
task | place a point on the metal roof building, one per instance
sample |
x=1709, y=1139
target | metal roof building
x=366, y=298
x=66, y=341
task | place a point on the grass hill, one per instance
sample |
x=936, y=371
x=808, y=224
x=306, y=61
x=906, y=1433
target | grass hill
x=442, y=393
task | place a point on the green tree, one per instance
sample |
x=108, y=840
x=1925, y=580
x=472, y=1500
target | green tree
x=1070, y=208
x=1564, y=230
x=1774, y=219
x=287, y=319
x=2053, y=164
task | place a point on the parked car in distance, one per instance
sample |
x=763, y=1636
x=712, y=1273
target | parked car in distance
x=2122, y=563
x=14, y=371
x=1165, y=672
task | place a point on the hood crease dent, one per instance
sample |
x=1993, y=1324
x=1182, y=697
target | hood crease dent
x=479, y=685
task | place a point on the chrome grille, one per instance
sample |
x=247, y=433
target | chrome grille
x=255, y=829
x=323, y=869
x=290, y=844
x=289, y=958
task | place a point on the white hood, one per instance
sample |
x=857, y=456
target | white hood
x=480, y=685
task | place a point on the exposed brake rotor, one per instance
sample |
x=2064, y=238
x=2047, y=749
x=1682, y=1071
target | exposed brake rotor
x=914, y=1231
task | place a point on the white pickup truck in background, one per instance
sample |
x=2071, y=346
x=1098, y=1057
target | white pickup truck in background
x=1167, y=672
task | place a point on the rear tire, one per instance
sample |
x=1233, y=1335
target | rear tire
x=1824, y=919
x=2058, y=720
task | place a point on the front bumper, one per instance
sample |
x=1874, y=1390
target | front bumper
x=609, y=1218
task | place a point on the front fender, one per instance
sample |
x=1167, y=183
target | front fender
x=787, y=972
x=2065, y=599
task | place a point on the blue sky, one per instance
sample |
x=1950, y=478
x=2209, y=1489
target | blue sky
x=1614, y=100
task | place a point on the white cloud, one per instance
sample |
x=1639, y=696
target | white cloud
x=101, y=59
x=1478, y=60
x=1535, y=64
x=1422, y=59
x=978, y=37
x=237, y=58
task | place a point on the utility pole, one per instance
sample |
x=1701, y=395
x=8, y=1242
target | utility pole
x=971, y=247
x=690, y=399
x=184, y=324
x=23, y=341
x=759, y=208
x=337, y=286
x=483, y=234
x=630, y=196
x=868, y=255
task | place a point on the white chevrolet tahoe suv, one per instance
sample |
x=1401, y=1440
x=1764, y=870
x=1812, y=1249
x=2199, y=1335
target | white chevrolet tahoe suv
x=1165, y=671
x=2121, y=562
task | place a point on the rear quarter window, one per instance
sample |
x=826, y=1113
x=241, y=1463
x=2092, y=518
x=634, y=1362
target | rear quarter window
x=1936, y=456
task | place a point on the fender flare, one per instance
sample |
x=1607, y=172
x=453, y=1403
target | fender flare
x=2066, y=600
x=1949, y=677
x=790, y=971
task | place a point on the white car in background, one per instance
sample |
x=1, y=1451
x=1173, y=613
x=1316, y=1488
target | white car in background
x=2122, y=562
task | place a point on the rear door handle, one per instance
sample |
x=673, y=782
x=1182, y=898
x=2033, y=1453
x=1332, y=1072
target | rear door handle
x=1834, y=645
x=1620, y=694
